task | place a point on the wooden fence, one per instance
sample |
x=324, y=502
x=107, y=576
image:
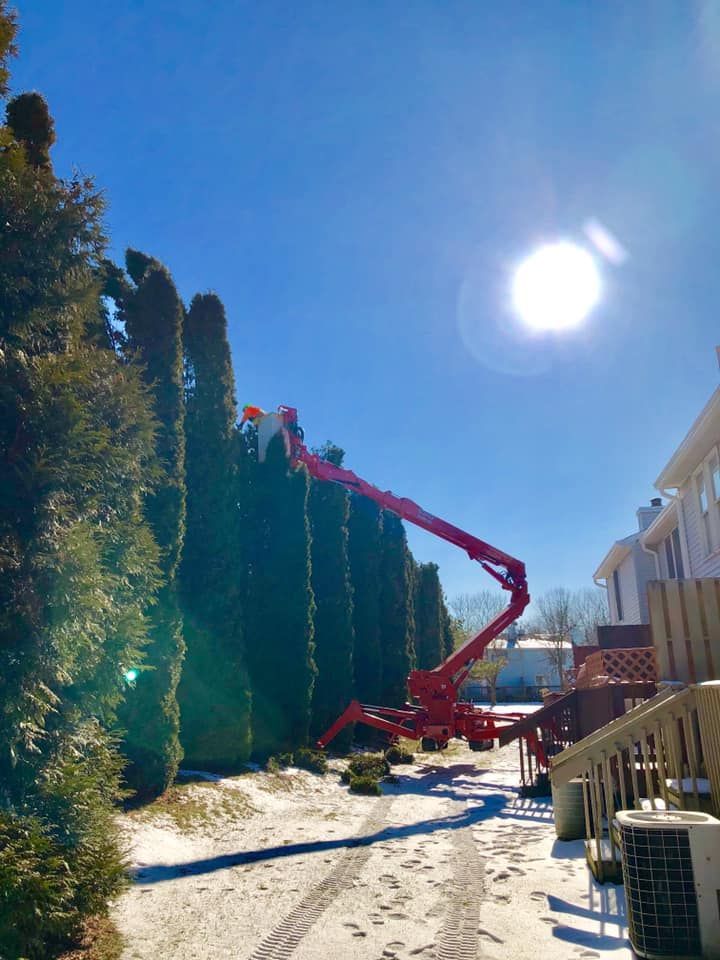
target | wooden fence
x=685, y=623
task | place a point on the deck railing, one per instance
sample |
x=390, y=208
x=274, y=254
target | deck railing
x=664, y=753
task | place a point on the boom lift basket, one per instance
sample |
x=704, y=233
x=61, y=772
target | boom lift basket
x=267, y=427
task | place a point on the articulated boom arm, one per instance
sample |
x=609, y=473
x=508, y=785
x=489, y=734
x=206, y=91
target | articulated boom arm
x=436, y=689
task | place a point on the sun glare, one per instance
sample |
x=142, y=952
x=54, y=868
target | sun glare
x=556, y=287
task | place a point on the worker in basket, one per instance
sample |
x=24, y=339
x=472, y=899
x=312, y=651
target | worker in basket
x=251, y=414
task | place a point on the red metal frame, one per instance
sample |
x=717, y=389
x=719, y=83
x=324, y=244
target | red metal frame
x=436, y=715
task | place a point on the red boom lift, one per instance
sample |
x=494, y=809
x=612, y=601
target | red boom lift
x=434, y=716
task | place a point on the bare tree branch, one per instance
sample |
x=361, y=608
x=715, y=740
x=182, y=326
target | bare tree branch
x=591, y=611
x=473, y=610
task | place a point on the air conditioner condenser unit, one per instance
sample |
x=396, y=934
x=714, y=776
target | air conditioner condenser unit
x=671, y=870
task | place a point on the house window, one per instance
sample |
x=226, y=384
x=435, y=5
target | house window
x=670, y=559
x=704, y=511
x=679, y=566
x=618, y=598
x=673, y=556
x=714, y=465
x=540, y=680
x=715, y=476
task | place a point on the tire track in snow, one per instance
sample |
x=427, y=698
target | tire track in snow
x=459, y=936
x=286, y=936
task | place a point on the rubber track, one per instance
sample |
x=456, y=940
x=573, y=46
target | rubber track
x=286, y=936
x=458, y=939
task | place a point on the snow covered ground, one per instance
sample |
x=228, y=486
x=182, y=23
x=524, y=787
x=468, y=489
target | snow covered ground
x=509, y=707
x=449, y=863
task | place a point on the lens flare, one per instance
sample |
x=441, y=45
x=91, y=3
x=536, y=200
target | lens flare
x=556, y=287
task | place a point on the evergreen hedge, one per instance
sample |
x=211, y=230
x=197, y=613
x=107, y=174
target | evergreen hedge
x=397, y=626
x=329, y=510
x=429, y=623
x=214, y=691
x=153, y=317
x=364, y=556
x=281, y=606
x=78, y=563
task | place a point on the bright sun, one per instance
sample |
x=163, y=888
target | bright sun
x=556, y=287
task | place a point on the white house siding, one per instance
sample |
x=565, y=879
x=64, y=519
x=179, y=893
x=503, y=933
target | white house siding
x=525, y=664
x=701, y=564
x=693, y=529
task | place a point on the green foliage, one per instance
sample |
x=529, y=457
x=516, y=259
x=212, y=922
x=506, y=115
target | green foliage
x=281, y=762
x=398, y=754
x=329, y=510
x=51, y=238
x=78, y=564
x=28, y=117
x=365, y=555
x=364, y=771
x=367, y=786
x=429, y=636
x=396, y=612
x=138, y=265
x=367, y=765
x=489, y=669
x=450, y=630
x=280, y=640
x=8, y=32
x=59, y=851
x=312, y=760
x=35, y=882
x=214, y=691
x=153, y=317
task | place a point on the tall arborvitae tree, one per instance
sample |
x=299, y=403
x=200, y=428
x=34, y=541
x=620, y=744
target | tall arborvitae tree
x=429, y=623
x=78, y=565
x=29, y=119
x=280, y=640
x=365, y=556
x=153, y=316
x=448, y=630
x=397, y=625
x=329, y=510
x=214, y=690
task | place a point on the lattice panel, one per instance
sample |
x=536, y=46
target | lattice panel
x=625, y=665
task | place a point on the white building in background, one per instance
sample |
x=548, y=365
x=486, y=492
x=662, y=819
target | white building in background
x=680, y=540
x=531, y=666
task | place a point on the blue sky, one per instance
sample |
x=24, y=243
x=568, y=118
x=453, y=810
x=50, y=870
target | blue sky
x=356, y=180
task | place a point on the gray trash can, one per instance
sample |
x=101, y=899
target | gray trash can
x=569, y=810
